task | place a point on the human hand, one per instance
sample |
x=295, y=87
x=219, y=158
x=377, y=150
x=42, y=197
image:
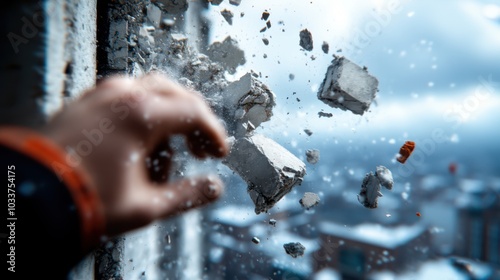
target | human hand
x=119, y=132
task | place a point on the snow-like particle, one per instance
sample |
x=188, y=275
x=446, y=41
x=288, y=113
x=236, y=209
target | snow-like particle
x=312, y=156
x=384, y=175
x=294, y=249
x=309, y=200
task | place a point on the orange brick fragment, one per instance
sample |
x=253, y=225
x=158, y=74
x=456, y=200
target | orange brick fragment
x=418, y=214
x=405, y=151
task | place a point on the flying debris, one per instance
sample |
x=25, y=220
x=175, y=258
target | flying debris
x=405, y=151
x=371, y=186
x=309, y=200
x=348, y=87
x=294, y=249
x=306, y=40
x=326, y=115
x=228, y=16
x=312, y=156
x=325, y=47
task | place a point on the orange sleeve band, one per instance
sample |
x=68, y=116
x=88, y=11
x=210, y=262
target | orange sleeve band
x=84, y=195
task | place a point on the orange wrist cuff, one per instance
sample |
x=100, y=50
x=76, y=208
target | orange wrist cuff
x=76, y=180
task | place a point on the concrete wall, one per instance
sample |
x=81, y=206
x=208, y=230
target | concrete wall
x=48, y=55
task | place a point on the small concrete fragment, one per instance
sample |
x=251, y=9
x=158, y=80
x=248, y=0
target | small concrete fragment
x=255, y=240
x=306, y=40
x=235, y=2
x=326, y=115
x=370, y=191
x=384, y=175
x=172, y=6
x=312, y=156
x=215, y=2
x=227, y=53
x=265, y=15
x=247, y=100
x=228, y=16
x=309, y=200
x=268, y=24
x=348, y=86
x=325, y=47
x=272, y=222
x=294, y=249
x=308, y=132
x=270, y=170
x=266, y=41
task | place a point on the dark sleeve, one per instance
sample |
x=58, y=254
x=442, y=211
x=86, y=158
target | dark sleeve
x=45, y=232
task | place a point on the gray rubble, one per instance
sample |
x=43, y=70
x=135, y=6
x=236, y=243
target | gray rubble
x=215, y=2
x=227, y=53
x=272, y=222
x=348, y=86
x=228, y=16
x=235, y=2
x=294, y=249
x=370, y=191
x=309, y=200
x=312, y=156
x=172, y=6
x=308, y=132
x=270, y=170
x=384, y=175
x=326, y=115
x=306, y=40
x=325, y=47
x=247, y=100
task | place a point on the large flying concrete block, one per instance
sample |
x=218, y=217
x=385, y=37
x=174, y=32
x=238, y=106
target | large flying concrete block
x=270, y=170
x=348, y=86
x=247, y=100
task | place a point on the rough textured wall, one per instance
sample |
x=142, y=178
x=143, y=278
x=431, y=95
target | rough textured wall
x=47, y=54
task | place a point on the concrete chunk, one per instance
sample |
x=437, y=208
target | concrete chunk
x=255, y=240
x=172, y=6
x=270, y=170
x=306, y=40
x=309, y=200
x=370, y=191
x=272, y=222
x=228, y=16
x=227, y=53
x=215, y=2
x=294, y=249
x=247, y=100
x=384, y=175
x=325, y=47
x=348, y=86
x=235, y=2
x=312, y=156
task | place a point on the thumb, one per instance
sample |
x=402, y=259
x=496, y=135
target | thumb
x=182, y=195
